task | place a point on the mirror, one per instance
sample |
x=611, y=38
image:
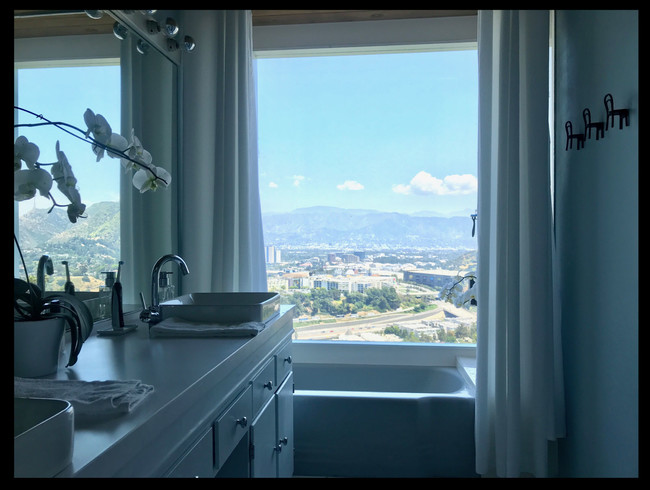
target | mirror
x=149, y=104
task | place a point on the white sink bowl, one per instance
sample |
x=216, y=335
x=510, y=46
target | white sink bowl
x=227, y=308
x=43, y=436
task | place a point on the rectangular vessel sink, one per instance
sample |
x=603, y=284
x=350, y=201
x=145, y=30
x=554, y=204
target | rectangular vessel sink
x=228, y=308
x=43, y=436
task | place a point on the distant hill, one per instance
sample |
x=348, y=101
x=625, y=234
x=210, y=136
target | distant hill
x=90, y=246
x=364, y=229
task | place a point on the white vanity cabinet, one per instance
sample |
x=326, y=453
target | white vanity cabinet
x=221, y=407
x=198, y=462
x=267, y=425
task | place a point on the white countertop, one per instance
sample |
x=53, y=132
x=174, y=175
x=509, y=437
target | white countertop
x=193, y=380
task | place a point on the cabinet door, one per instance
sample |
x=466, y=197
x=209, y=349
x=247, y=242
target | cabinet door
x=284, y=398
x=264, y=443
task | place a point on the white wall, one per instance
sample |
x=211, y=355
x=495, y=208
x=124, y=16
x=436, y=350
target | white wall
x=597, y=236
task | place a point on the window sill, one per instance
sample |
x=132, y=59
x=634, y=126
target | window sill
x=382, y=353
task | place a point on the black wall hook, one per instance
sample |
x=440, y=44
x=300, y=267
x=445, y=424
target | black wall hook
x=570, y=136
x=612, y=113
x=598, y=126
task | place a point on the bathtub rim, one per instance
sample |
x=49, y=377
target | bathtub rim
x=393, y=395
x=460, y=356
x=392, y=353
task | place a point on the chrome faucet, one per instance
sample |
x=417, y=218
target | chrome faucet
x=44, y=266
x=152, y=314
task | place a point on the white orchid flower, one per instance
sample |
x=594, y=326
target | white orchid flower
x=26, y=152
x=136, y=152
x=62, y=171
x=98, y=126
x=100, y=129
x=455, y=293
x=145, y=180
x=118, y=143
x=27, y=182
x=75, y=210
x=67, y=183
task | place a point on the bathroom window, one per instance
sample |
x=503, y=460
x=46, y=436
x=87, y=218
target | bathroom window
x=367, y=167
x=61, y=90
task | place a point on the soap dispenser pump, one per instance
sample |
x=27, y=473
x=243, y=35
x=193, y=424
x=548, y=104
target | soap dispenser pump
x=166, y=290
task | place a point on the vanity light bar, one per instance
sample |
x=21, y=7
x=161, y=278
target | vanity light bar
x=169, y=30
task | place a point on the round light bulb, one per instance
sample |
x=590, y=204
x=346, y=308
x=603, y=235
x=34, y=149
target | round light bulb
x=171, y=27
x=94, y=14
x=120, y=31
x=189, y=44
x=142, y=47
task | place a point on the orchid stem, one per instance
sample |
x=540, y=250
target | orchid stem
x=87, y=139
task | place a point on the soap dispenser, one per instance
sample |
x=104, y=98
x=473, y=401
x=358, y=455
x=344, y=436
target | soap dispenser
x=117, y=310
x=105, y=293
x=166, y=290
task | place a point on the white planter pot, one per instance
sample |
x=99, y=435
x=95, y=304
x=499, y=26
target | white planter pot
x=37, y=345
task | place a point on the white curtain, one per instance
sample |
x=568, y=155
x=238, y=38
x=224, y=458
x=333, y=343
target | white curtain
x=220, y=218
x=148, y=221
x=519, y=389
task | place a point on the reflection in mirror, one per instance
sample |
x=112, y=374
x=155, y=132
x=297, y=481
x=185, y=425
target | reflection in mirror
x=150, y=107
x=60, y=76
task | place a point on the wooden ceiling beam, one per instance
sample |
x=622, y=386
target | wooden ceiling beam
x=39, y=23
x=287, y=17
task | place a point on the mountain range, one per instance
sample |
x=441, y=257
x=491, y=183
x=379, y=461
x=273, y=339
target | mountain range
x=365, y=229
x=94, y=241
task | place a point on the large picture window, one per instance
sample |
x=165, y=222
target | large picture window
x=368, y=167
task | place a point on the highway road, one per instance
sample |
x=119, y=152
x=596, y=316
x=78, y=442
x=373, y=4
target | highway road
x=376, y=323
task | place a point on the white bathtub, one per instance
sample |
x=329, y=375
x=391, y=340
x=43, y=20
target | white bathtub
x=382, y=421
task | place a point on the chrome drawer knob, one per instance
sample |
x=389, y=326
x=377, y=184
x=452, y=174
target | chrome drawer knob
x=269, y=385
x=242, y=421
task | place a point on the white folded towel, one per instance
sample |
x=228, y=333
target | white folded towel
x=89, y=398
x=176, y=327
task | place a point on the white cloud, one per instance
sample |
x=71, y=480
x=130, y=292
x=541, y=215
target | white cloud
x=402, y=189
x=350, y=185
x=273, y=185
x=297, y=179
x=424, y=183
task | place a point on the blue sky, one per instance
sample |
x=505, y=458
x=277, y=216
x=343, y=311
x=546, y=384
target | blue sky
x=392, y=132
x=64, y=94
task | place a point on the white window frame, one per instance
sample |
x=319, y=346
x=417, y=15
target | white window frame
x=347, y=38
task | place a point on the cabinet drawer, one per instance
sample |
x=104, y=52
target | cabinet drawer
x=283, y=363
x=198, y=461
x=263, y=386
x=231, y=426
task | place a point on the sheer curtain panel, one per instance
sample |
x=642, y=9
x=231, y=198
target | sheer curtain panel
x=519, y=391
x=220, y=226
x=147, y=221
